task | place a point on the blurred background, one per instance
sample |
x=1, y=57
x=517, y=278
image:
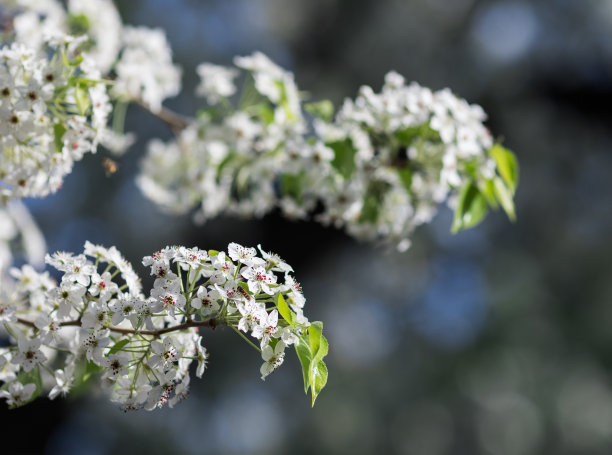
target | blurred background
x=494, y=341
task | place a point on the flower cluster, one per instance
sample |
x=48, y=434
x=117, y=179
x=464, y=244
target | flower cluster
x=396, y=156
x=53, y=109
x=379, y=169
x=231, y=161
x=145, y=70
x=97, y=320
x=137, y=59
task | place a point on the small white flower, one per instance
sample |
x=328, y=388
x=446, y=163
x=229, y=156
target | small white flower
x=252, y=314
x=103, y=285
x=215, y=82
x=63, y=381
x=94, y=343
x=258, y=279
x=17, y=393
x=202, y=355
x=29, y=354
x=267, y=328
x=116, y=365
x=273, y=358
x=181, y=391
x=244, y=255
x=164, y=354
x=206, y=301
x=95, y=316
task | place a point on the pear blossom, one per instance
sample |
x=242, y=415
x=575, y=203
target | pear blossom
x=165, y=354
x=258, y=279
x=17, y=393
x=267, y=328
x=215, y=82
x=273, y=358
x=144, y=344
x=29, y=354
x=253, y=313
x=63, y=381
x=207, y=301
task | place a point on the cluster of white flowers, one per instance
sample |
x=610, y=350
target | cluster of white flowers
x=98, y=320
x=52, y=110
x=35, y=22
x=229, y=163
x=145, y=71
x=137, y=59
x=379, y=169
x=399, y=154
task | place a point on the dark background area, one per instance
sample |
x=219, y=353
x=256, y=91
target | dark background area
x=493, y=341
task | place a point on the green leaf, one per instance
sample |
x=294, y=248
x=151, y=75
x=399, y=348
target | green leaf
x=78, y=24
x=322, y=352
x=315, y=332
x=91, y=369
x=284, y=310
x=405, y=176
x=504, y=196
x=344, y=157
x=407, y=136
x=311, y=352
x=370, y=209
x=291, y=185
x=213, y=253
x=118, y=346
x=322, y=109
x=303, y=352
x=58, y=135
x=471, y=208
x=76, y=61
x=30, y=377
x=318, y=379
x=488, y=191
x=82, y=99
x=317, y=370
x=372, y=201
x=507, y=166
x=265, y=113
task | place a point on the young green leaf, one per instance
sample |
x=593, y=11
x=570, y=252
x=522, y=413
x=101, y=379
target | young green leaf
x=58, y=134
x=507, y=166
x=504, y=196
x=318, y=379
x=303, y=352
x=315, y=332
x=284, y=310
x=488, y=191
x=119, y=345
x=317, y=370
x=82, y=99
x=322, y=109
x=471, y=208
x=344, y=157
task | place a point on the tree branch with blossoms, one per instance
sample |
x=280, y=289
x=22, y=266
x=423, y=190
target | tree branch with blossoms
x=377, y=168
x=143, y=346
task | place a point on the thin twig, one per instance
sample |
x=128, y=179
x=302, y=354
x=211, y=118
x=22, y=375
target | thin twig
x=212, y=322
x=177, y=122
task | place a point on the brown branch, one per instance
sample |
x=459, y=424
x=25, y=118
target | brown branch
x=212, y=323
x=177, y=122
